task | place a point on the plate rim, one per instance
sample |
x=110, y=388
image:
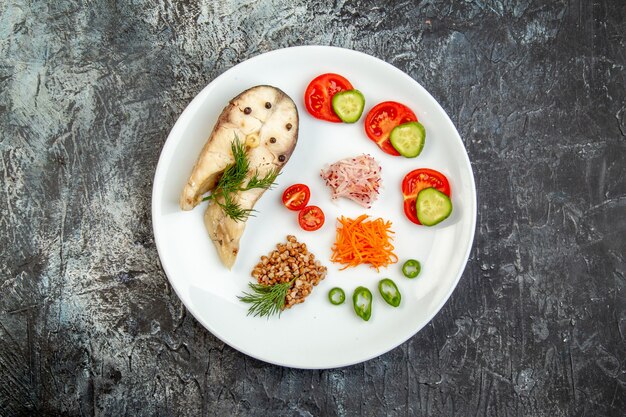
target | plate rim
x=187, y=113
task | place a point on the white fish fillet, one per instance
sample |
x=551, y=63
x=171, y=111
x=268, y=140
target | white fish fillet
x=264, y=119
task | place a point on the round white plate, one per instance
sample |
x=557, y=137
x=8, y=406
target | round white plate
x=315, y=334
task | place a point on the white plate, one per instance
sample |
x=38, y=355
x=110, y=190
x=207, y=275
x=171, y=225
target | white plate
x=315, y=334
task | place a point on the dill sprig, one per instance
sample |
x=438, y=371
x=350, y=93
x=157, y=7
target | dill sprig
x=232, y=181
x=266, y=300
x=264, y=182
x=235, y=174
x=232, y=209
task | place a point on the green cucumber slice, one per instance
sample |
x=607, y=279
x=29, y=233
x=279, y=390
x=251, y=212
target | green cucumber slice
x=408, y=139
x=432, y=206
x=349, y=105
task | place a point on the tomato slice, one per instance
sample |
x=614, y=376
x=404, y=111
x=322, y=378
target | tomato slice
x=311, y=218
x=319, y=94
x=414, y=182
x=296, y=196
x=381, y=120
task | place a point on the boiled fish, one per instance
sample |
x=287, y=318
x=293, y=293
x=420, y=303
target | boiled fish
x=264, y=120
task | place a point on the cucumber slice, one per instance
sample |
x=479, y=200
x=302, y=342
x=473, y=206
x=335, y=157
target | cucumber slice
x=432, y=206
x=349, y=105
x=408, y=139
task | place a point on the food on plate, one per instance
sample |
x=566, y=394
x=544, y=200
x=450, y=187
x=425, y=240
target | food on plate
x=362, y=302
x=267, y=300
x=234, y=180
x=408, y=139
x=252, y=140
x=348, y=105
x=285, y=278
x=361, y=241
x=382, y=119
x=311, y=218
x=357, y=179
x=296, y=196
x=336, y=296
x=319, y=94
x=411, y=268
x=433, y=206
x=390, y=292
x=417, y=180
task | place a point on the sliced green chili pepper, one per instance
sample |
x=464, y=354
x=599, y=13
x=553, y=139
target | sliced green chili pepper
x=411, y=268
x=390, y=292
x=336, y=296
x=362, y=301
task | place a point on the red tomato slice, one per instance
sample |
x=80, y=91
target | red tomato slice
x=311, y=218
x=319, y=94
x=414, y=182
x=381, y=120
x=296, y=197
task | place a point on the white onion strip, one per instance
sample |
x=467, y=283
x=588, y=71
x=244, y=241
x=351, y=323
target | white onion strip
x=357, y=179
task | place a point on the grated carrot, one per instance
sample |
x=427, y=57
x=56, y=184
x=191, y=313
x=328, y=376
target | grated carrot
x=361, y=241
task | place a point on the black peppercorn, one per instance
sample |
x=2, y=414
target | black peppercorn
x=281, y=158
x=268, y=105
x=288, y=126
x=272, y=140
x=247, y=110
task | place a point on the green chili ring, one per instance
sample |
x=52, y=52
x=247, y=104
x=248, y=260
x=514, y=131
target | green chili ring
x=390, y=292
x=411, y=268
x=336, y=296
x=362, y=302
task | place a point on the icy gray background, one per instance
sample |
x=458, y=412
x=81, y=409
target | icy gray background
x=88, y=322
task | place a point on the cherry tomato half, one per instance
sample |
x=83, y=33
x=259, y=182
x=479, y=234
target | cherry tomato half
x=296, y=197
x=414, y=182
x=318, y=95
x=381, y=120
x=311, y=218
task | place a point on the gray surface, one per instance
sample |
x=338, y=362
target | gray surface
x=88, y=322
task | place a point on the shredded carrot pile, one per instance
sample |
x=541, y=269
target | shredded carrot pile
x=363, y=242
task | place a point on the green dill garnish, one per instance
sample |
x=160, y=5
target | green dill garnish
x=232, y=209
x=266, y=300
x=234, y=174
x=234, y=180
x=265, y=182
